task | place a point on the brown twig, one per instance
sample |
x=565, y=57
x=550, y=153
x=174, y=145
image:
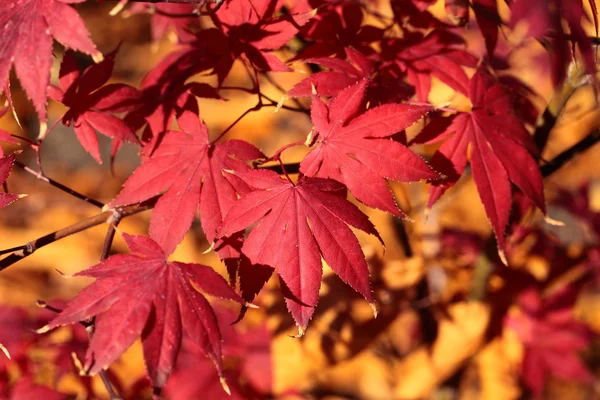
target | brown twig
x=21, y=252
x=113, y=222
x=39, y=175
x=198, y=13
x=561, y=159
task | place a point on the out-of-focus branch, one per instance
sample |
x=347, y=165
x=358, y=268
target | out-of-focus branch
x=21, y=252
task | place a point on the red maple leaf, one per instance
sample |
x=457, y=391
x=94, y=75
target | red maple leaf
x=142, y=294
x=27, y=389
x=26, y=31
x=545, y=17
x=189, y=169
x=161, y=24
x=248, y=361
x=300, y=224
x=341, y=75
x=250, y=28
x=165, y=91
x=336, y=27
x=356, y=150
x=552, y=338
x=6, y=164
x=417, y=56
x=93, y=104
x=500, y=152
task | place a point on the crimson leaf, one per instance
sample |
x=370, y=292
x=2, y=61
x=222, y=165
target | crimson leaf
x=26, y=31
x=190, y=169
x=357, y=151
x=299, y=225
x=142, y=294
x=500, y=153
x=92, y=105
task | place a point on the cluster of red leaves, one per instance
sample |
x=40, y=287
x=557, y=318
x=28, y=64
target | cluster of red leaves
x=361, y=107
x=545, y=322
x=552, y=338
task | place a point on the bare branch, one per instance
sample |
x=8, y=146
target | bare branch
x=39, y=175
x=26, y=250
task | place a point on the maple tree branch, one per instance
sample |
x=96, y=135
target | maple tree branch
x=277, y=86
x=21, y=252
x=291, y=168
x=111, y=391
x=549, y=117
x=39, y=175
x=561, y=159
x=113, y=222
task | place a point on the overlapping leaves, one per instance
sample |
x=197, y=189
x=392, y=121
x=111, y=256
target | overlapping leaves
x=356, y=150
x=26, y=31
x=500, y=152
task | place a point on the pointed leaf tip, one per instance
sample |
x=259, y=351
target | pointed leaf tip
x=210, y=248
x=250, y=305
x=43, y=329
x=98, y=57
x=5, y=351
x=375, y=310
x=502, y=256
x=553, y=222
x=301, y=332
x=225, y=385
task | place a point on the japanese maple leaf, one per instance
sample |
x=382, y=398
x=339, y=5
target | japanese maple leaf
x=300, y=224
x=26, y=389
x=16, y=334
x=6, y=164
x=336, y=27
x=251, y=29
x=500, y=153
x=545, y=17
x=188, y=168
x=383, y=86
x=356, y=150
x=93, y=105
x=440, y=53
x=165, y=90
x=552, y=338
x=247, y=355
x=194, y=378
x=161, y=24
x=26, y=31
x=414, y=13
x=142, y=294
x=341, y=74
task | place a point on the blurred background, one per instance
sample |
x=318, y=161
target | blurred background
x=453, y=322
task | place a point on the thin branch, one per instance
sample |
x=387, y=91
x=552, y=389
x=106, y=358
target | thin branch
x=234, y=123
x=28, y=249
x=292, y=168
x=39, y=175
x=561, y=159
x=196, y=13
x=282, y=90
x=113, y=222
x=111, y=391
